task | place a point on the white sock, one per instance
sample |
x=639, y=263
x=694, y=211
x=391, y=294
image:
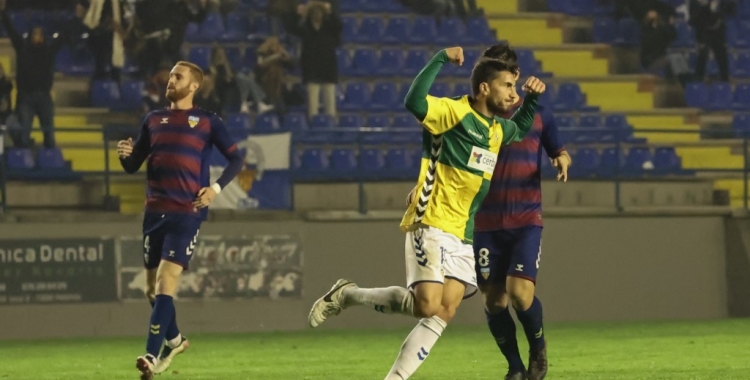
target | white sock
x=394, y=299
x=416, y=348
x=174, y=342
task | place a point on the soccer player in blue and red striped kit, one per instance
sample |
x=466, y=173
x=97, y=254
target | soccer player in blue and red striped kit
x=508, y=238
x=176, y=143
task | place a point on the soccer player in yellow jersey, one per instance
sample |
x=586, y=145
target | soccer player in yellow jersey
x=461, y=139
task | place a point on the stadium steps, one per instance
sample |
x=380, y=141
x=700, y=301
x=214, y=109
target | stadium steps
x=132, y=195
x=91, y=159
x=735, y=188
x=496, y=7
x=667, y=122
x=526, y=31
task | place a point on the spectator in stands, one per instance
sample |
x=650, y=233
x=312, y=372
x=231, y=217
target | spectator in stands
x=273, y=60
x=320, y=30
x=163, y=23
x=707, y=18
x=104, y=19
x=6, y=87
x=656, y=36
x=231, y=85
x=466, y=8
x=638, y=9
x=156, y=89
x=35, y=63
x=207, y=97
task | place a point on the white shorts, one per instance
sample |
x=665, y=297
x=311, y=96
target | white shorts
x=433, y=255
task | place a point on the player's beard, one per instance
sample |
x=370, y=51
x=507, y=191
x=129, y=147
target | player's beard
x=495, y=107
x=175, y=95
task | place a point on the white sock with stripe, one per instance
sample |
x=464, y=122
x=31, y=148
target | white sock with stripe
x=416, y=348
x=392, y=300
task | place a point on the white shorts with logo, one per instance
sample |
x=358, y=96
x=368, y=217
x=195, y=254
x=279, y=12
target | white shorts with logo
x=433, y=255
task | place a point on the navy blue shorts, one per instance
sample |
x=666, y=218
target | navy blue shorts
x=170, y=237
x=512, y=252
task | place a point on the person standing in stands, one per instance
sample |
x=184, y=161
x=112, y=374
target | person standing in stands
x=707, y=18
x=320, y=30
x=35, y=62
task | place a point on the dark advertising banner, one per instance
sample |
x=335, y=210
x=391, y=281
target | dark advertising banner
x=258, y=266
x=40, y=271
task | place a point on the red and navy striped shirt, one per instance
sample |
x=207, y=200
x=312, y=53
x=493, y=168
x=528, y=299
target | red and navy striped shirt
x=515, y=196
x=177, y=145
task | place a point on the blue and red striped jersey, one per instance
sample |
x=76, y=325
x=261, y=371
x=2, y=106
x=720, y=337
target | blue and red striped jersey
x=515, y=196
x=177, y=145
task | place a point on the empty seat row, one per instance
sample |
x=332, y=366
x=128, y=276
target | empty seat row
x=366, y=163
x=422, y=30
x=718, y=96
x=109, y=94
x=46, y=158
x=634, y=162
x=235, y=27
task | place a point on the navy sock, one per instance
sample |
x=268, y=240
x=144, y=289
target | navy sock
x=531, y=319
x=503, y=329
x=161, y=318
x=172, y=331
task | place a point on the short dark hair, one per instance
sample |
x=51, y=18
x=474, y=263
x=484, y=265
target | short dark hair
x=501, y=51
x=488, y=69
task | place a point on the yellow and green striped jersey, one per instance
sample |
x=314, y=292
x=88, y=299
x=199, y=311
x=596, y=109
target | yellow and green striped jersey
x=459, y=152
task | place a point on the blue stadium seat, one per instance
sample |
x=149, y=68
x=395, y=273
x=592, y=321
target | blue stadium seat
x=741, y=97
x=590, y=121
x=685, y=36
x=211, y=28
x=397, y=31
x=260, y=27
x=741, y=125
x=390, y=63
x=74, y=62
x=402, y=162
x=616, y=121
x=569, y=98
x=720, y=98
x=351, y=121
x=349, y=28
x=50, y=158
x=238, y=121
x=739, y=64
x=605, y=30
x=356, y=97
x=343, y=161
x=609, y=162
x=237, y=27
x=440, y=90
x=352, y=5
x=294, y=122
x=415, y=60
x=528, y=63
x=344, y=62
x=131, y=95
x=563, y=121
x=462, y=89
x=451, y=32
x=470, y=58
x=371, y=161
x=628, y=32
x=737, y=33
x=20, y=158
x=235, y=58
x=384, y=97
x=666, y=161
x=696, y=95
x=201, y=56
x=587, y=162
x=314, y=159
x=405, y=121
x=370, y=30
x=267, y=122
x=365, y=62
x=424, y=30
x=193, y=32
x=377, y=121
x=636, y=161
x=249, y=59
x=322, y=121
x=479, y=31
x=104, y=94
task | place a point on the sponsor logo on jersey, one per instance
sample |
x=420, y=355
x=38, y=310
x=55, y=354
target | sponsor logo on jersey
x=482, y=160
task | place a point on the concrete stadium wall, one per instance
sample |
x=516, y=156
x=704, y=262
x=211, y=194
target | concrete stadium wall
x=593, y=269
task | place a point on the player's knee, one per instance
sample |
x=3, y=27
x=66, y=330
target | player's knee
x=426, y=308
x=496, y=303
x=521, y=293
x=447, y=312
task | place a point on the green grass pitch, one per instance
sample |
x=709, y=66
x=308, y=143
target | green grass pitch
x=596, y=351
